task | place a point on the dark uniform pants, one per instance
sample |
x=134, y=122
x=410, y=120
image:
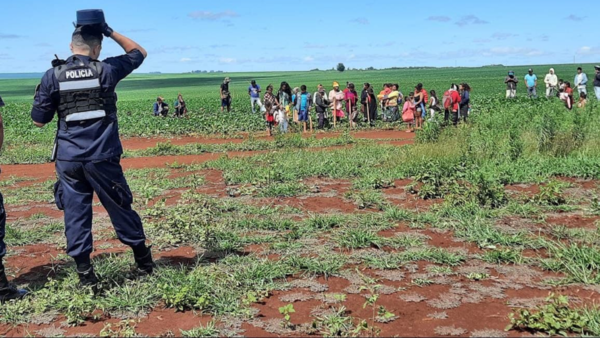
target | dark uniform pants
x=77, y=181
x=2, y=228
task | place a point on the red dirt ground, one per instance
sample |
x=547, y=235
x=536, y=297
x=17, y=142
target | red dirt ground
x=33, y=263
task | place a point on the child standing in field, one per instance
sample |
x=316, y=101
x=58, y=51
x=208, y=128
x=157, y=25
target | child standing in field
x=434, y=104
x=409, y=112
x=303, y=103
x=294, y=103
x=582, y=100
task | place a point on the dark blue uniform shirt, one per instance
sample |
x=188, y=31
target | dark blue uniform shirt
x=1, y=102
x=88, y=140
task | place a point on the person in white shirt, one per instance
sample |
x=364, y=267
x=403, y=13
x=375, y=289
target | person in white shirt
x=551, y=81
x=581, y=81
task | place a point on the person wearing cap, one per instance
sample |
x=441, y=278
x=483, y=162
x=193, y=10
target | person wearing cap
x=531, y=83
x=581, y=81
x=80, y=92
x=225, y=95
x=336, y=98
x=551, y=81
x=597, y=82
x=160, y=108
x=7, y=290
x=511, y=85
x=254, y=93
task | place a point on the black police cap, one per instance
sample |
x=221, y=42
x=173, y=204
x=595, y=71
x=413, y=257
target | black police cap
x=90, y=17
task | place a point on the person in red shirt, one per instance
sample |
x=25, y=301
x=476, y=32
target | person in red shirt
x=455, y=99
x=568, y=96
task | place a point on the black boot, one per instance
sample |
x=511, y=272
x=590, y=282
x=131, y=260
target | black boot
x=145, y=264
x=88, y=278
x=9, y=291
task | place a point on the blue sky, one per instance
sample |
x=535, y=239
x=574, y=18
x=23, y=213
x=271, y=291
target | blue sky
x=232, y=35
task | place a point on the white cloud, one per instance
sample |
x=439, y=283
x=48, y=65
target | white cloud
x=309, y=59
x=503, y=35
x=360, y=21
x=574, y=17
x=511, y=51
x=439, y=18
x=470, y=20
x=587, y=50
x=212, y=16
x=227, y=60
x=185, y=60
x=10, y=36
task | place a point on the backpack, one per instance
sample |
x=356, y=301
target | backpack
x=447, y=100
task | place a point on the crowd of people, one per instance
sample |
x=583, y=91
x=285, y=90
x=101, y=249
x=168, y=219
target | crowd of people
x=556, y=87
x=337, y=105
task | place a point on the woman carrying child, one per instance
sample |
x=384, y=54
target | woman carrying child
x=270, y=105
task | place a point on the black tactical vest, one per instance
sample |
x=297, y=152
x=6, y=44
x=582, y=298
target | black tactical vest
x=81, y=96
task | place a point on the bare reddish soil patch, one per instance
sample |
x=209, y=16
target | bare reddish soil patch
x=574, y=221
x=33, y=263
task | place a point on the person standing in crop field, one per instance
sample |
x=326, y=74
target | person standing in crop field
x=295, y=93
x=225, y=95
x=336, y=98
x=551, y=81
x=351, y=98
x=81, y=93
x=409, y=112
x=7, y=290
x=597, y=82
x=419, y=100
x=303, y=104
x=369, y=101
x=284, y=96
x=465, y=100
x=254, y=92
x=434, y=104
x=531, y=83
x=581, y=81
x=270, y=105
x=321, y=104
x=511, y=85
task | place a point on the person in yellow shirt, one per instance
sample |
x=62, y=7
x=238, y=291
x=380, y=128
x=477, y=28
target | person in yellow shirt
x=391, y=111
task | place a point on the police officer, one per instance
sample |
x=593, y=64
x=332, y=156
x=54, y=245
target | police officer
x=81, y=92
x=7, y=290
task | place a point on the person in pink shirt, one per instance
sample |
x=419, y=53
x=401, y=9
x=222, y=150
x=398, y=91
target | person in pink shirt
x=409, y=111
x=351, y=98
